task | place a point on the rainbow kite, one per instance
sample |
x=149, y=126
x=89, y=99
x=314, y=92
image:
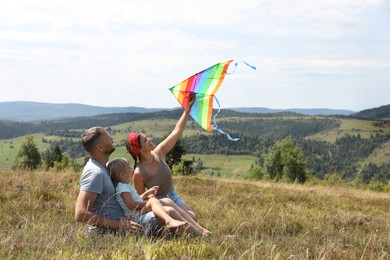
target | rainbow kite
x=204, y=84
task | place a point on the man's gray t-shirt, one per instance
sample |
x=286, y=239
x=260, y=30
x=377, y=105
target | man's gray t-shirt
x=95, y=178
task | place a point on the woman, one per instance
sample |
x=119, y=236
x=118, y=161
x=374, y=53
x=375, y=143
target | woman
x=150, y=161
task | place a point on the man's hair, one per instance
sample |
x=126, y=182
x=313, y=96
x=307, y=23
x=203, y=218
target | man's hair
x=90, y=136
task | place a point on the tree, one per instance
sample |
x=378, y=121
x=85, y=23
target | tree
x=174, y=156
x=28, y=156
x=286, y=161
x=50, y=158
x=184, y=167
x=198, y=165
x=254, y=172
x=47, y=160
x=57, y=154
x=66, y=163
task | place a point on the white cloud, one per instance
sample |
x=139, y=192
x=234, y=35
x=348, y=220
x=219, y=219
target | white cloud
x=85, y=44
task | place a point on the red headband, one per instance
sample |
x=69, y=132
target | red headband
x=134, y=145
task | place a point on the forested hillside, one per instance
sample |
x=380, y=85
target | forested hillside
x=11, y=129
x=379, y=113
x=348, y=147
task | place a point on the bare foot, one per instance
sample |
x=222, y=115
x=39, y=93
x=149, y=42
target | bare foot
x=206, y=232
x=175, y=225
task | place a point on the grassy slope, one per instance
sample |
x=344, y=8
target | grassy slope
x=250, y=220
x=363, y=127
x=352, y=127
x=379, y=156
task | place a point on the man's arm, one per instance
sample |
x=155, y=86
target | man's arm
x=84, y=203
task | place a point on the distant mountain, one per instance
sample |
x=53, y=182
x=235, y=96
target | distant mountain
x=31, y=111
x=378, y=113
x=22, y=111
x=304, y=111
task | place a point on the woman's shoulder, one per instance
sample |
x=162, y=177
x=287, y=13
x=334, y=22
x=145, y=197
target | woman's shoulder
x=138, y=176
x=159, y=156
x=137, y=171
x=159, y=151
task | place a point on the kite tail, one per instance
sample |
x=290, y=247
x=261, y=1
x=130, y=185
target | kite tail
x=235, y=65
x=215, y=127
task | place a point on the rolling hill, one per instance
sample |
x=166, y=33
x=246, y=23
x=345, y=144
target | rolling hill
x=22, y=111
x=378, y=113
x=303, y=111
x=31, y=111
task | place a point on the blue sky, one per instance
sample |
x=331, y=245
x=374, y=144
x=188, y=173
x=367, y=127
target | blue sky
x=308, y=54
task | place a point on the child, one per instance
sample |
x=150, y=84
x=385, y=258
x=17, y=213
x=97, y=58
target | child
x=135, y=205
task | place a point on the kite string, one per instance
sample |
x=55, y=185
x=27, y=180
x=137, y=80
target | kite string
x=215, y=127
x=235, y=66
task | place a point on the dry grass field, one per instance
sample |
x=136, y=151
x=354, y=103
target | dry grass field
x=249, y=220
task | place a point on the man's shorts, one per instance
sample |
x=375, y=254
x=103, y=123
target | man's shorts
x=148, y=223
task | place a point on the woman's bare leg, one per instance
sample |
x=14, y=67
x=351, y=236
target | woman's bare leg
x=176, y=215
x=184, y=215
x=189, y=211
x=161, y=213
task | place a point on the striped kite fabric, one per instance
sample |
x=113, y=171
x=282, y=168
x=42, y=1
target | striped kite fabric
x=204, y=84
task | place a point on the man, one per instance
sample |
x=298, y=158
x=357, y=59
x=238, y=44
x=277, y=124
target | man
x=96, y=204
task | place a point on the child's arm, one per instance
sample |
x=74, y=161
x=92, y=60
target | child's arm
x=130, y=203
x=147, y=194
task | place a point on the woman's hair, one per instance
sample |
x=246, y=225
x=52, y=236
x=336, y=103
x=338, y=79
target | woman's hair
x=90, y=136
x=116, y=167
x=128, y=147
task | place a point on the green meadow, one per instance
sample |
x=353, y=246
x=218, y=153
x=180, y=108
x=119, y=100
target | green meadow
x=232, y=166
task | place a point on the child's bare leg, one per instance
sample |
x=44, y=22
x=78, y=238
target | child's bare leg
x=160, y=212
x=185, y=216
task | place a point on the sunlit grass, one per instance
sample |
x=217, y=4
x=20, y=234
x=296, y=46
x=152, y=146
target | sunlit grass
x=249, y=220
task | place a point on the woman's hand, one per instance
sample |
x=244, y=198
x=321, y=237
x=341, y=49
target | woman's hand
x=191, y=100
